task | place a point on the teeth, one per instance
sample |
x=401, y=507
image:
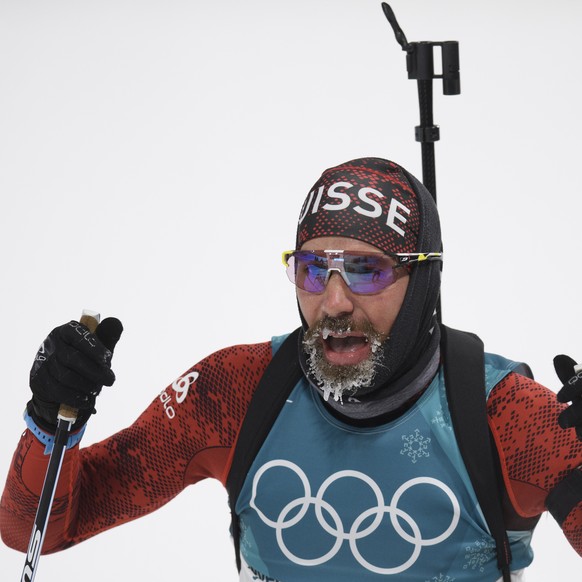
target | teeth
x=326, y=332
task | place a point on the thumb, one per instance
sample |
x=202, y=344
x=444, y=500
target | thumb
x=109, y=331
x=564, y=366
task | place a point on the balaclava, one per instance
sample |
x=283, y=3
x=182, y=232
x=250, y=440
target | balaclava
x=379, y=202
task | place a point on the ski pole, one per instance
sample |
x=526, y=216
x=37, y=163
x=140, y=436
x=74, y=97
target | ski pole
x=66, y=418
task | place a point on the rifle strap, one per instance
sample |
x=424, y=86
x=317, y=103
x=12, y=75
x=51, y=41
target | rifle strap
x=464, y=369
x=279, y=379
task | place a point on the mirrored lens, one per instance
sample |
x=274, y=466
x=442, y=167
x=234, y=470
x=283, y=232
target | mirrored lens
x=369, y=273
x=308, y=271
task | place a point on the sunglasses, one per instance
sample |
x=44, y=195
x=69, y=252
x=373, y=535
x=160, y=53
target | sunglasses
x=363, y=273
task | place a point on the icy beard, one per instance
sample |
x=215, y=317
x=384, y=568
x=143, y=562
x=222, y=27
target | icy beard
x=335, y=379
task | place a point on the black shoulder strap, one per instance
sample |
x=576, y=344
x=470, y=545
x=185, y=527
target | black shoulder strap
x=281, y=375
x=464, y=368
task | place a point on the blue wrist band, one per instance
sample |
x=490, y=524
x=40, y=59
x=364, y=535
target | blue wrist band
x=48, y=439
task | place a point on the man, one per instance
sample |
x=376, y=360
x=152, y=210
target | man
x=360, y=477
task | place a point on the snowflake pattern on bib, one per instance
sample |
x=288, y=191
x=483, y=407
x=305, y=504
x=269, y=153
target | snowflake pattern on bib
x=415, y=446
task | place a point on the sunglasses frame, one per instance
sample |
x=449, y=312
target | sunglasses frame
x=335, y=262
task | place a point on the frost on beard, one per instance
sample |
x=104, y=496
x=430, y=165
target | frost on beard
x=336, y=380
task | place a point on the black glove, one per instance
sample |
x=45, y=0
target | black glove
x=71, y=367
x=570, y=392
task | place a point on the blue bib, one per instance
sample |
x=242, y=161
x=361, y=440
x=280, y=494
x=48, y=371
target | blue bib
x=327, y=501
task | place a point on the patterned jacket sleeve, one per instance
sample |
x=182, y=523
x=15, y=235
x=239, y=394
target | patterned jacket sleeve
x=185, y=435
x=535, y=452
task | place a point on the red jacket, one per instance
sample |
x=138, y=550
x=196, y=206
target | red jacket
x=188, y=433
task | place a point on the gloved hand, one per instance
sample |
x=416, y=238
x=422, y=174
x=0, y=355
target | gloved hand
x=71, y=367
x=570, y=392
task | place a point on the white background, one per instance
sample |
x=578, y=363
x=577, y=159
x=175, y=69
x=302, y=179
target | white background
x=153, y=159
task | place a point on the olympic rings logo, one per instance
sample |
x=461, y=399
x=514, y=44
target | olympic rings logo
x=337, y=530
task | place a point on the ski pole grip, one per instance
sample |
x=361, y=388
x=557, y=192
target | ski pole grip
x=90, y=319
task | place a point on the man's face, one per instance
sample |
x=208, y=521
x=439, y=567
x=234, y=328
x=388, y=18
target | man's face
x=346, y=329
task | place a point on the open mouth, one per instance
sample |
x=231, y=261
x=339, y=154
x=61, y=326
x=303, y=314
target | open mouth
x=345, y=348
x=343, y=355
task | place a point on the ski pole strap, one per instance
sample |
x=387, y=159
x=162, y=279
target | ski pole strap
x=47, y=439
x=277, y=382
x=464, y=370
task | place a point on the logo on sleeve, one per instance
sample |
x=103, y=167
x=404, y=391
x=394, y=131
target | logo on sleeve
x=180, y=388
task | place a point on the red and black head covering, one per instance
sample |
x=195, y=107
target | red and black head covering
x=368, y=199
x=379, y=202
